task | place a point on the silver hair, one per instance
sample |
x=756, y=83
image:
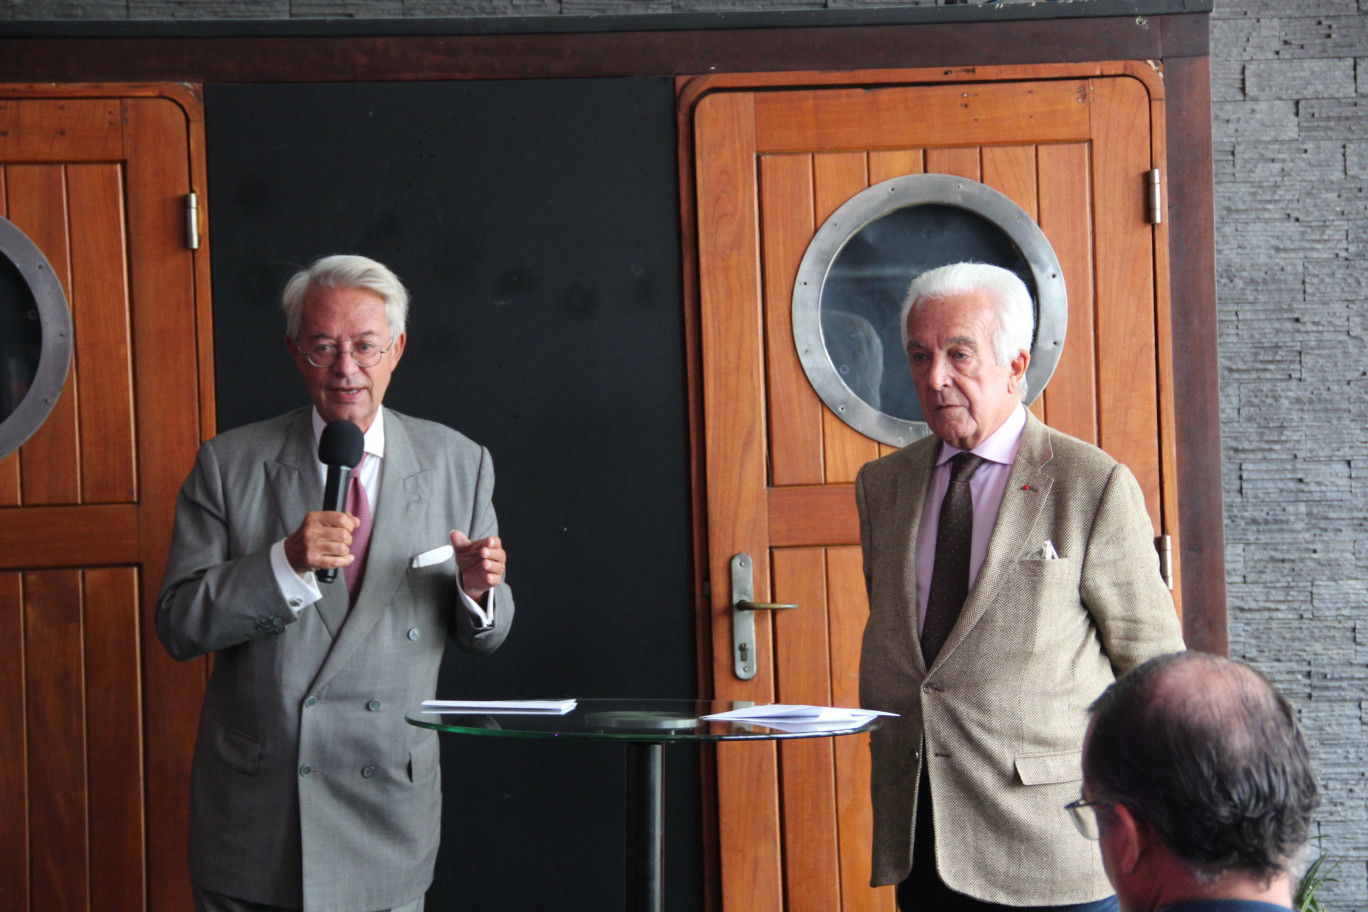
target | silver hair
x=1004, y=289
x=346, y=271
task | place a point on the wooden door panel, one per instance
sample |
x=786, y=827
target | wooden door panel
x=14, y=805
x=100, y=323
x=786, y=199
x=896, y=117
x=38, y=206
x=803, y=674
x=959, y=160
x=65, y=129
x=836, y=178
x=114, y=733
x=1070, y=399
x=54, y=698
x=1128, y=425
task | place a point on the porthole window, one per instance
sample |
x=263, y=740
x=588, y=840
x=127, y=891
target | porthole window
x=850, y=287
x=35, y=338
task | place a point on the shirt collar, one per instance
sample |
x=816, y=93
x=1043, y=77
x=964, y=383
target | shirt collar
x=374, y=438
x=1001, y=446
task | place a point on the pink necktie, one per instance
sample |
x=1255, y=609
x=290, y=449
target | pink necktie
x=358, y=505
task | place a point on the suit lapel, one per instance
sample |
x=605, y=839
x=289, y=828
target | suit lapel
x=1028, y=489
x=913, y=485
x=404, y=490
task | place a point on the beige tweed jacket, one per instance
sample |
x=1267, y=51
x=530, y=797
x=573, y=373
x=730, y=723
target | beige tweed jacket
x=1000, y=715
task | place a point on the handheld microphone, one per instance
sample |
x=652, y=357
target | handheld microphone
x=340, y=448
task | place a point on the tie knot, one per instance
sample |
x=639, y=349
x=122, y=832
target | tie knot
x=963, y=466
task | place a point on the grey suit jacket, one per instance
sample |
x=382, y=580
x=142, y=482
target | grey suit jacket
x=308, y=788
x=1000, y=715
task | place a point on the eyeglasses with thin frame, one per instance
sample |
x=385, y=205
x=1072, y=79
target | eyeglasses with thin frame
x=325, y=354
x=1084, y=815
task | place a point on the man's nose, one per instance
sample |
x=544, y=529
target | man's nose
x=939, y=373
x=345, y=363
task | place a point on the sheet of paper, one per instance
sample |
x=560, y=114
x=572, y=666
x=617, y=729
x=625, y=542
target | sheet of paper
x=500, y=707
x=811, y=718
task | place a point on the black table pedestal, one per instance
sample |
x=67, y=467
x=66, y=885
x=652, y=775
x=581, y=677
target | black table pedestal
x=645, y=827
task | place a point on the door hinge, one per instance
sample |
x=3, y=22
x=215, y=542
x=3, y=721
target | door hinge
x=1164, y=544
x=1154, y=196
x=192, y=233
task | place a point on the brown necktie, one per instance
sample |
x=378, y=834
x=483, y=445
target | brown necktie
x=954, y=543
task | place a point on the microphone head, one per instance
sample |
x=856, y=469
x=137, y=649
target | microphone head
x=341, y=444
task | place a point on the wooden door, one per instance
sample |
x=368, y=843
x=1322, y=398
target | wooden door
x=98, y=724
x=1071, y=146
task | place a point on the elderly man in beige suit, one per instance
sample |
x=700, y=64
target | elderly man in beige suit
x=1008, y=587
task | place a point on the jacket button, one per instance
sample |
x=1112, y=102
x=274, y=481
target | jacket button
x=916, y=755
x=414, y=633
x=373, y=705
x=367, y=771
x=311, y=701
x=305, y=769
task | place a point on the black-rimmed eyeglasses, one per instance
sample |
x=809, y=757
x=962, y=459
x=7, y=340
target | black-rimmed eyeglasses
x=325, y=354
x=1084, y=814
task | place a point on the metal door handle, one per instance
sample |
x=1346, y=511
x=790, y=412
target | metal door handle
x=745, y=605
x=743, y=615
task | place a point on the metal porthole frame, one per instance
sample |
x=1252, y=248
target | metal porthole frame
x=54, y=320
x=1052, y=312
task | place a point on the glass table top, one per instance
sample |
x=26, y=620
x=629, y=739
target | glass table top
x=621, y=720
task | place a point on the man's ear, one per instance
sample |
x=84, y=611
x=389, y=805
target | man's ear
x=1018, y=366
x=1129, y=837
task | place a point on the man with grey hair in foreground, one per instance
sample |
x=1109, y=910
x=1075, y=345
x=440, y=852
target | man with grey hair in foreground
x=1198, y=784
x=1012, y=575
x=309, y=791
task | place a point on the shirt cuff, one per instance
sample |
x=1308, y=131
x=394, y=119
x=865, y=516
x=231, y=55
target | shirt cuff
x=483, y=617
x=298, y=591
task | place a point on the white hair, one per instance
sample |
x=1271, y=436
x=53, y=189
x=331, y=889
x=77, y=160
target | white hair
x=346, y=271
x=1005, y=291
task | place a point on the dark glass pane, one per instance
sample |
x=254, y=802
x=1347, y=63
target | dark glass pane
x=21, y=338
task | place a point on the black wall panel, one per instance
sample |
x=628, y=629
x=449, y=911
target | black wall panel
x=536, y=224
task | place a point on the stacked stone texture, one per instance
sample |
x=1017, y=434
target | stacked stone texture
x=1290, y=128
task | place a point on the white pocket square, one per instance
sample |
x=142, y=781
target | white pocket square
x=1044, y=552
x=435, y=556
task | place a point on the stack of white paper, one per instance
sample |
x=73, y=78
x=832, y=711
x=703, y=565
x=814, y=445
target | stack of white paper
x=788, y=717
x=500, y=707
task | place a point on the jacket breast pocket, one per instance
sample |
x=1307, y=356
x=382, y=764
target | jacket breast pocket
x=1050, y=769
x=435, y=567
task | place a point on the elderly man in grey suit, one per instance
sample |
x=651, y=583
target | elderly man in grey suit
x=1012, y=575
x=309, y=791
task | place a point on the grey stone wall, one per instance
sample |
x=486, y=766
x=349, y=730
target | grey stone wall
x=1290, y=126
